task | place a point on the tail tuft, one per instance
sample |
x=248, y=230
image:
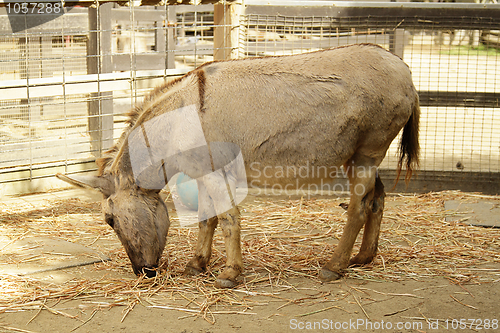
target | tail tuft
x=409, y=148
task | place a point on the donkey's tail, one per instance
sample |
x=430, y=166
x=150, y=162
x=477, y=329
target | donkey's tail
x=409, y=147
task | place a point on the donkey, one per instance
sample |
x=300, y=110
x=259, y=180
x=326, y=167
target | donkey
x=336, y=107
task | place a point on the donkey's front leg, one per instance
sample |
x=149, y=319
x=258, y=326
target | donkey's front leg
x=203, y=251
x=208, y=223
x=230, y=224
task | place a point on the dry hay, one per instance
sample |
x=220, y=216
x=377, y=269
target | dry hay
x=282, y=239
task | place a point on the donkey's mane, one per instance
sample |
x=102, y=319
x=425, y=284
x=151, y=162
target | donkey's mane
x=134, y=116
x=136, y=113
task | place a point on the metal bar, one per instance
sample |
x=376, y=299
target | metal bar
x=459, y=98
x=369, y=4
x=390, y=14
x=41, y=166
x=426, y=181
x=81, y=79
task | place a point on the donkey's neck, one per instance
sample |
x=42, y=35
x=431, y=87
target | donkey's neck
x=163, y=99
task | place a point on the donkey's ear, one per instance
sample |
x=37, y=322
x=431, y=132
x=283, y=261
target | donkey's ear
x=101, y=184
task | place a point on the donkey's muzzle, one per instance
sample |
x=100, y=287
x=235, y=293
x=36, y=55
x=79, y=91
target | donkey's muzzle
x=150, y=272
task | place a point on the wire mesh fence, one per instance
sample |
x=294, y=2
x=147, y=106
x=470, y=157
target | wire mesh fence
x=67, y=85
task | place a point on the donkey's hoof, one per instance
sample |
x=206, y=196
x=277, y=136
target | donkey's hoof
x=191, y=271
x=360, y=260
x=225, y=283
x=327, y=275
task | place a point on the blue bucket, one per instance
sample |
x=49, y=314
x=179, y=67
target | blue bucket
x=187, y=189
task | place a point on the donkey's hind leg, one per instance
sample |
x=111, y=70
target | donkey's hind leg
x=371, y=233
x=361, y=175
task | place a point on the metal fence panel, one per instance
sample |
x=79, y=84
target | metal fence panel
x=67, y=84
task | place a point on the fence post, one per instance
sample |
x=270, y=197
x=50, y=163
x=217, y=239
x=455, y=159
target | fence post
x=226, y=30
x=397, y=42
x=159, y=37
x=171, y=26
x=100, y=106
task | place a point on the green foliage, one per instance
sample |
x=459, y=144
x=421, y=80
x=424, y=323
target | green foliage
x=481, y=50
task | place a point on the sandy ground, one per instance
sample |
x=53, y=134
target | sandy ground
x=411, y=306
x=414, y=285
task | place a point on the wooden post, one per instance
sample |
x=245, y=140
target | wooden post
x=171, y=26
x=100, y=106
x=159, y=37
x=397, y=42
x=226, y=31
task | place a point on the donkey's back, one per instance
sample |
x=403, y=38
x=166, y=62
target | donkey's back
x=319, y=108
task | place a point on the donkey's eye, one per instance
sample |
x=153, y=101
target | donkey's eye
x=109, y=219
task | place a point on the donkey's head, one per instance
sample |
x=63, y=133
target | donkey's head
x=139, y=217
